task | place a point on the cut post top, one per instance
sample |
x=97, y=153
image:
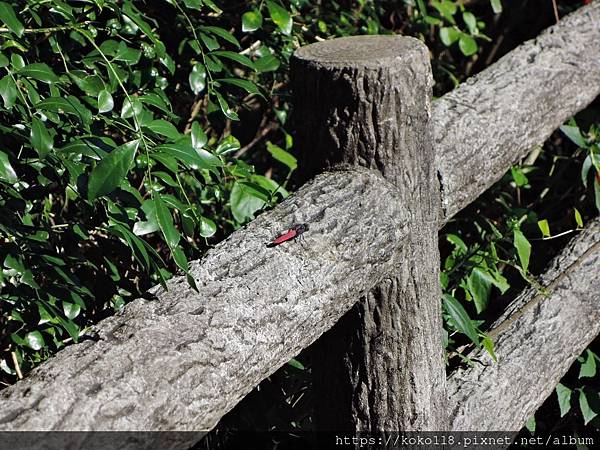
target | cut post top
x=363, y=51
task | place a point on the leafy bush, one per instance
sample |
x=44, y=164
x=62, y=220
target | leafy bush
x=117, y=162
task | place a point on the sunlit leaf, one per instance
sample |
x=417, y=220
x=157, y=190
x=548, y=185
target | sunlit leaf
x=105, y=101
x=197, y=78
x=282, y=156
x=7, y=173
x=199, y=137
x=111, y=171
x=544, y=227
x=523, y=248
x=586, y=411
x=574, y=134
x=251, y=21
x=564, y=399
x=460, y=319
x=588, y=367
x=165, y=222
x=467, y=45
x=280, y=16
x=9, y=18
x=35, y=340
x=41, y=140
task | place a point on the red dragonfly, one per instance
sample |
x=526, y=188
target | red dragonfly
x=293, y=232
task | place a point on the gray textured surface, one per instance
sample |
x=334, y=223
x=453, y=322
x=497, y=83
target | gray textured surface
x=366, y=101
x=181, y=362
x=536, y=340
x=494, y=118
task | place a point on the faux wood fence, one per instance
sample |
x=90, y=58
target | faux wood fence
x=402, y=167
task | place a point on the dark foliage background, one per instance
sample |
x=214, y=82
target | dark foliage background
x=134, y=135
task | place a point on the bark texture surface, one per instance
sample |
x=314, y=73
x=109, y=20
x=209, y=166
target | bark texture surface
x=366, y=101
x=182, y=361
x=536, y=341
x=494, y=118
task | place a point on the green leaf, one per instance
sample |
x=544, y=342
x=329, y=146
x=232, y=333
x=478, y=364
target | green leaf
x=207, y=227
x=585, y=169
x=281, y=17
x=131, y=108
x=449, y=35
x=222, y=33
x=530, y=425
x=496, y=6
x=212, y=6
x=523, y=248
x=69, y=105
x=7, y=173
x=191, y=157
x=164, y=128
x=460, y=319
x=8, y=91
x=544, y=227
x=578, y=219
x=105, y=101
x=248, y=86
x=199, y=138
x=225, y=109
x=193, y=4
x=282, y=156
x=134, y=14
x=227, y=145
x=459, y=244
x=586, y=410
x=8, y=16
x=518, y=176
x=467, y=45
x=180, y=259
x=267, y=63
x=480, y=286
x=446, y=8
x=488, y=344
x=564, y=399
x=165, y=223
x=296, y=364
x=41, y=140
x=251, y=21
x=470, y=21
x=71, y=310
x=39, y=71
x=243, y=203
x=588, y=368
x=574, y=134
x=197, y=78
x=240, y=59
x=151, y=224
x=35, y=340
x=112, y=170
x=209, y=42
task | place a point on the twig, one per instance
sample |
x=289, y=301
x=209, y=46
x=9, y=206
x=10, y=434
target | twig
x=48, y=29
x=17, y=367
x=263, y=131
x=196, y=107
x=555, y=10
x=250, y=49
